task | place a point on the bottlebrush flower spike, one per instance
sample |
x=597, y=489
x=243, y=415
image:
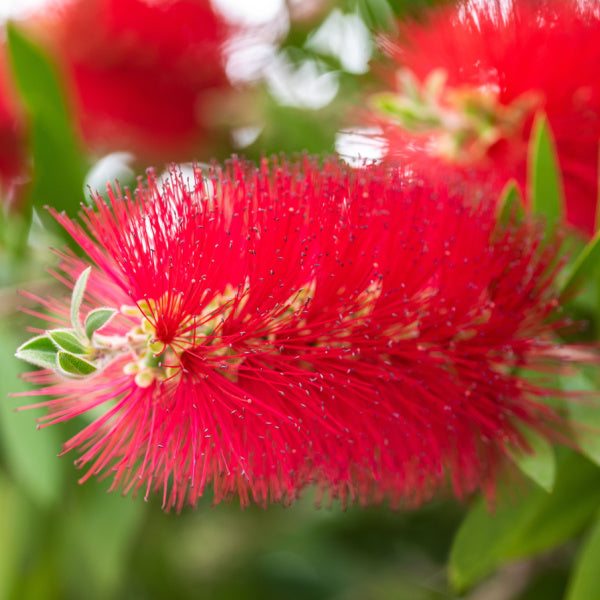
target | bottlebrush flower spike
x=472, y=76
x=139, y=66
x=267, y=327
x=12, y=137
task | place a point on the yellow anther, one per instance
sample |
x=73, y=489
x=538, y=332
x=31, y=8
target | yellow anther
x=145, y=378
x=131, y=368
x=147, y=327
x=130, y=311
x=156, y=346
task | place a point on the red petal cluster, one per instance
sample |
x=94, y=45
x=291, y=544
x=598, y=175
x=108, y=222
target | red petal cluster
x=370, y=343
x=551, y=48
x=140, y=70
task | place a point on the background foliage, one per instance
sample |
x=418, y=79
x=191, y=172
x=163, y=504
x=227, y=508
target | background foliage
x=64, y=541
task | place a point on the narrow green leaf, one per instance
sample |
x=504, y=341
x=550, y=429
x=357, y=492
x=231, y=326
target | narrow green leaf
x=585, y=265
x=585, y=580
x=76, y=300
x=510, y=205
x=97, y=319
x=67, y=340
x=534, y=523
x=539, y=466
x=544, y=176
x=39, y=351
x=59, y=170
x=74, y=366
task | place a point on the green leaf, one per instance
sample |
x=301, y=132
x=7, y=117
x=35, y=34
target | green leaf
x=67, y=340
x=479, y=543
x=44, y=360
x=77, y=298
x=544, y=176
x=585, y=414
x=74, y=366
x=540, y=465
x=597, y=216
x=510, y=205
x=39, y=351
x=29, y=454
x=58, y=168
x=585, y=580
x=376, y=14
x=97, y=319
x=41, y=342
x=534, y=523
x=585, y=265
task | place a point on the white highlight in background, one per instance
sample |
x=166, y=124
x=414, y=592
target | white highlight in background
x=346, y=38
x=308, y=85
x=360, y=145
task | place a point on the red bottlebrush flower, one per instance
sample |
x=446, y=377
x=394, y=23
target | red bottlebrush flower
x=265, y=328
x=140, y=70
x=12, y=136
x=502, y=62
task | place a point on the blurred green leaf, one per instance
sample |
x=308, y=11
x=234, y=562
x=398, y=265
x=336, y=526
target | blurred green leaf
x=13, y=540
x=540, y=465
x=101, y=532
x=544, y=178
x=291, y=130
x=376, y=14
x=585, y=266
x=294, y=130
x=405, y=8
x=58, y=167
x=479, y=543
x=43, y=578
x=536, y=522
x=597, y=215
x=585, y=580
x=14, y=231
x=510, y=205
x=585, y=414
x=29, y=454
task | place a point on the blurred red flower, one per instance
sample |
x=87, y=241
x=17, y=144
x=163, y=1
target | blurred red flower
x=12, y=135
x=141, y=71
x=508, y=60
x=296, y=323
